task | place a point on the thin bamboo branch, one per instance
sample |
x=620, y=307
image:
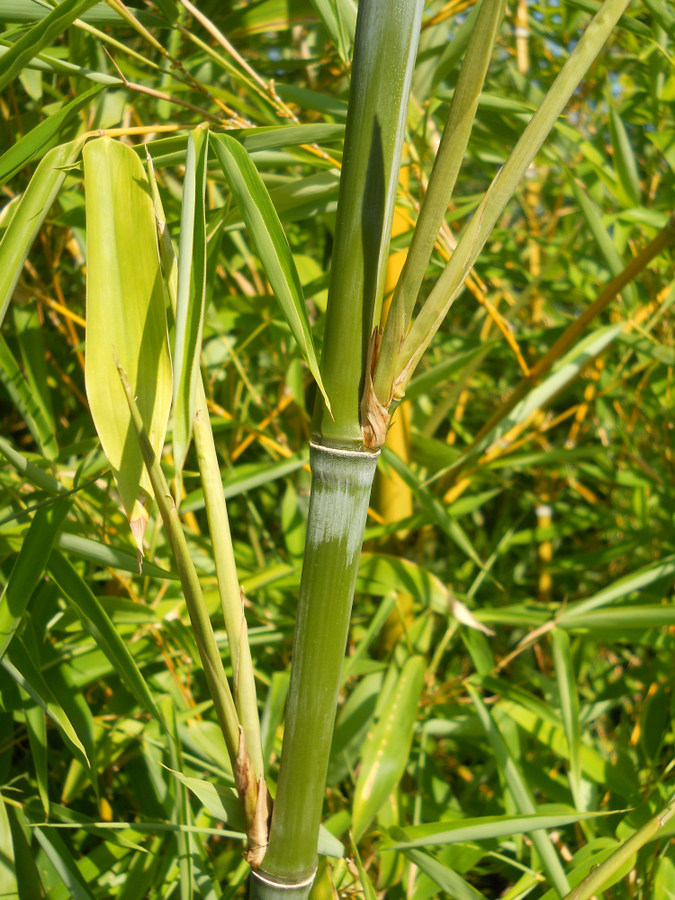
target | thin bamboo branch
x=442, y=181
x=478, y=230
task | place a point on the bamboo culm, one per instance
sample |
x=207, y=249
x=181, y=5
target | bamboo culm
x=341, y=485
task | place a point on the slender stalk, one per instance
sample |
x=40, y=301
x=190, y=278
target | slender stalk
x=249, y=762
x=501, y=190
x=192, y=591
x=598, y=877
x=252, y=793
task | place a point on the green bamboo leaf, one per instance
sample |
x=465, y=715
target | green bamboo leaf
x=397, y=574
x=45, y=63
x=473, y=239
x=40, y=36
x=191, y=296
x=36, y=727
x=622, y=587
x=126, y=318
x=171, y=151
x=568, y=368
x=108, y=556
x=385, y=753
x=270, y=242
x=8, y=884
x=434, y=507
x=520, y=792
x=224, y=805
x=450, y=882
x=593, y=218
x=65, y=864
x=101, y=15
x=41, y=138
x=339, y=19
x=624, y=159
x=302, y=197
x=605, y=872
x=483, y=828
x=27, y=402
x=31, y=338
x=28, y=568
x=247, y=477
x=366, y=883
x=22, y=669
x=569, y=703
x=221, y=802
x=625, y=618
x=97, y=622
x=30, y=214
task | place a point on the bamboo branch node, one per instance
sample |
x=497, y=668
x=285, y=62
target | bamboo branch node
x=282, y=885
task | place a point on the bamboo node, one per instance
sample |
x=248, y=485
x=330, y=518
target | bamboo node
x=283, y=885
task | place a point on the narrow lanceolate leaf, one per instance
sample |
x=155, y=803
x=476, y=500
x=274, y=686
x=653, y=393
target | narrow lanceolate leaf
x=28, y=568
x=97, y=622
x=267, y=234
x=42, y=136
x=569, y=702
x=191, y=293
x=339, y=18
x=64, y=862
x=24, y=672
x=30, y=214
x=27, y=402
x=126, y=318
x=8, y=885
x=520, y=792
x=624, y=160
x=40, y=36
x=387, y=747
x=476, y=233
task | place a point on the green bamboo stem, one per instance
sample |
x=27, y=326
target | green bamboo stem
x=341, y=484
x=387, y=35
x=228, y=583
x=192, y=591
x=598, y=877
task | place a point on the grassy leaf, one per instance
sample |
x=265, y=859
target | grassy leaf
x=42, y=136
x=480, y=829
x=271, y=244
x=21, y=668
x=40, y=36
x=64, y=862
x=624, y=159
x=97, y=622
x=126, y=317
x=28, y=568
x=191, y=294
x=30, y=214
x=27, y=401
x=385, y=753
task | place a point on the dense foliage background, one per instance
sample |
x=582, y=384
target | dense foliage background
x=563, y=515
